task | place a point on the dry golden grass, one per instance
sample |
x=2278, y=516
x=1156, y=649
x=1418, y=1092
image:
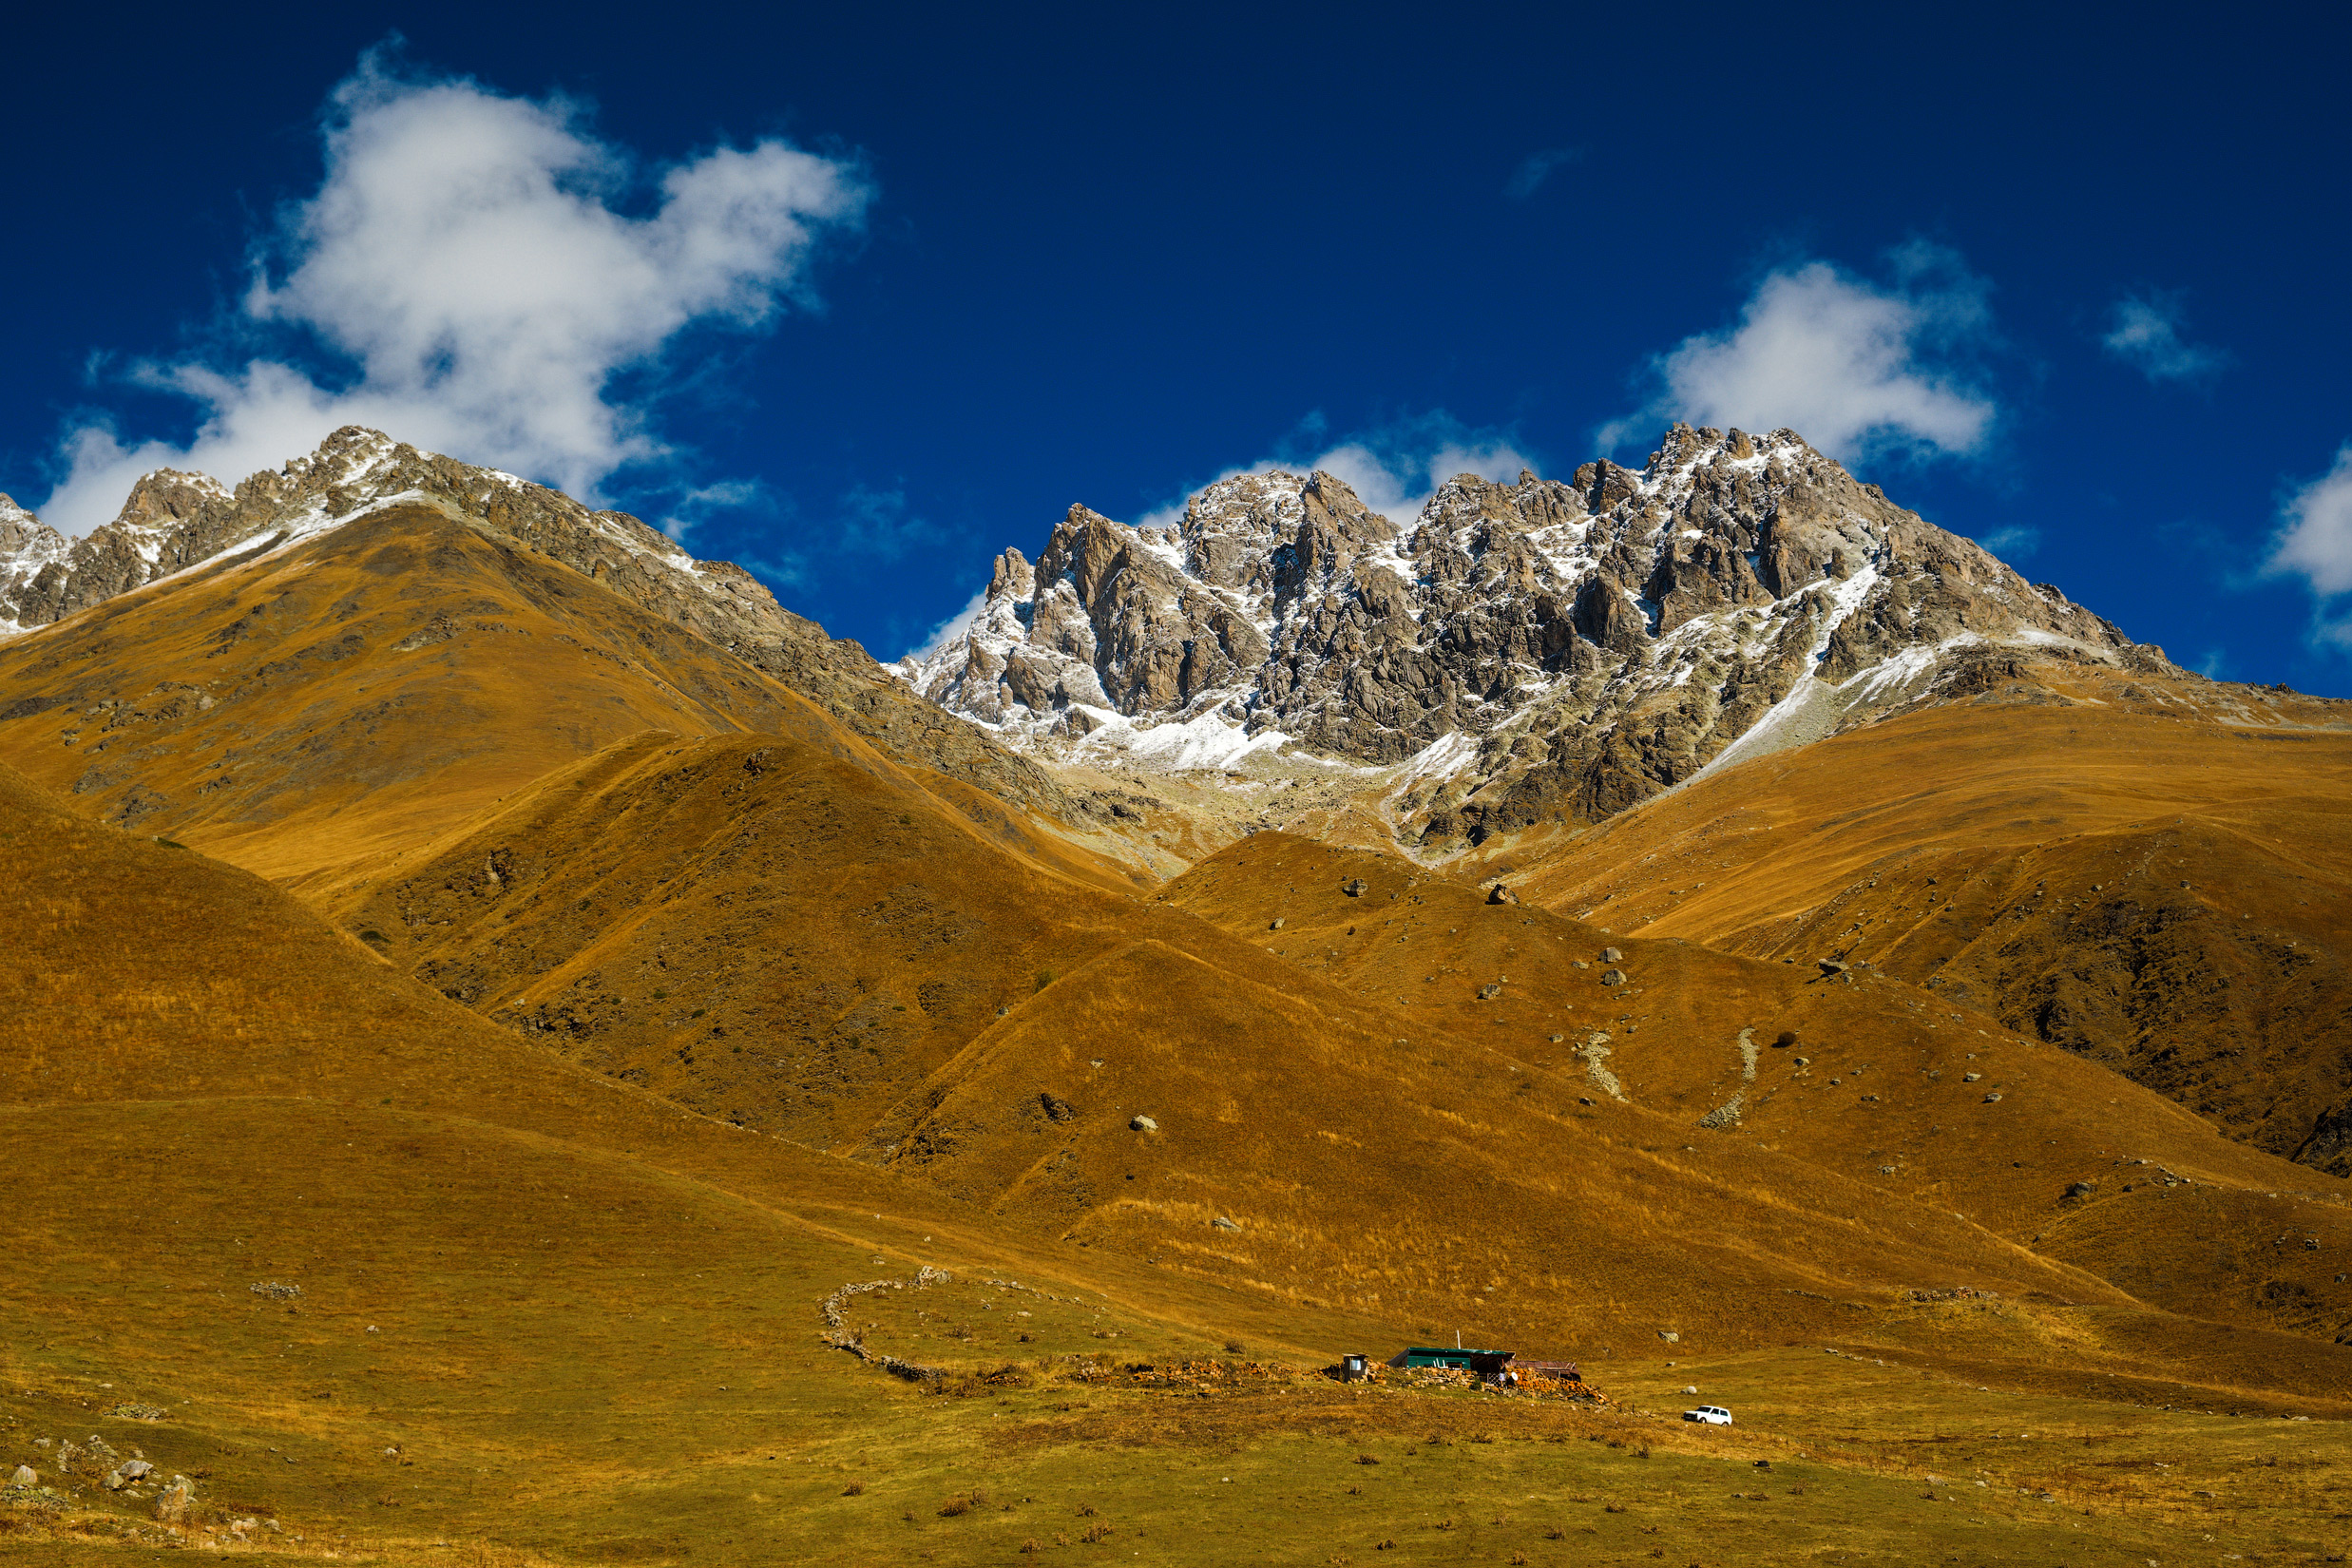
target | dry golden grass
x=571, y=1275
x=2130, y=878
x=320, y=715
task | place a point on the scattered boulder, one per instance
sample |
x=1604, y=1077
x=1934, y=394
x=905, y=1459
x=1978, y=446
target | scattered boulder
x=2080, y=1188
x=1274, y=925
x=1689, y=1387
x=1970, y=1077
x=1223, y=1224
x=1670, y=1336
x=1500, y=895
x=1788, y=1037
x=1056, y=1109
x=1613, y=977
x=1488, y=993
x=173, y=1503
x=1832, y=966
x=1355, y=888
x=24, y=1476
x=1609, y=955
x=1143, y=1124
x=1993, y=1095
x=276, y=1289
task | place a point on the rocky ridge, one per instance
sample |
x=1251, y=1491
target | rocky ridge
x=174, y=523
x=1523, y=653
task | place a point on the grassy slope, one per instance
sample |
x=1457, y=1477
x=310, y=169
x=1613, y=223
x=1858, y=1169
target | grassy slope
x=773, y=932
x=1880, y=1110
x=318, y=714
x=2030, y=861
x=594, y=1315
x=781, y=937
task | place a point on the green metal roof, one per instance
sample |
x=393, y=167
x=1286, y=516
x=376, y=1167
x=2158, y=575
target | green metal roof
x=1448, y=1355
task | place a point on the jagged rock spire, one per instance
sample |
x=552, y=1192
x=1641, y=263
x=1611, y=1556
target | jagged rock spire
x=1553, y=648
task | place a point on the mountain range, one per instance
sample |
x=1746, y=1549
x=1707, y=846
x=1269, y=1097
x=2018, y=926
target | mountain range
x=1676, y=919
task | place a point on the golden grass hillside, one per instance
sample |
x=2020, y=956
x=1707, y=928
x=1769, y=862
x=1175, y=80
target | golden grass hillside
x=546, y=1318
x=315, y=713
x=2127, y=875
x=1881, y=1087
x=802, y=946
x=776, y=932
x=310, y=707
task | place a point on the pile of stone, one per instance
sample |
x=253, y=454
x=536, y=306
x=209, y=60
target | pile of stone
x=841, y=1337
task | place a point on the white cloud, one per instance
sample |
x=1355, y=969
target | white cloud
x=950, y=629
x=2144, y=331
x=2013, y=541
x=2315, y=537
x=1536, y=168
x=877, y=525
x=696, y=502
x=1852, y=367
x=472, y=265
x=1394, y=467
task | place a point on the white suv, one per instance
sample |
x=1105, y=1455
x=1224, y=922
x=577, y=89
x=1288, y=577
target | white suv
x=1713, y=1415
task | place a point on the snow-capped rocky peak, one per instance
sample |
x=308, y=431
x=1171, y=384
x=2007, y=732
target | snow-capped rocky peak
x=27, y=545
x=1553, y=648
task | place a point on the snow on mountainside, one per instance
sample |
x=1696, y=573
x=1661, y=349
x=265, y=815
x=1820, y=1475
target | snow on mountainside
x=27, y=545
x=1536, y=652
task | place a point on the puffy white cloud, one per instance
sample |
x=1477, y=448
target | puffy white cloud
x=1394, y=467
x=2315, y=537
x=477, y=274
x=2144, y=331
x=1854, y=368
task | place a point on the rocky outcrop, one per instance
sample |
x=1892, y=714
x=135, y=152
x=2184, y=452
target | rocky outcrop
x=1541, y=650
x=175, y=522
x=32, y=565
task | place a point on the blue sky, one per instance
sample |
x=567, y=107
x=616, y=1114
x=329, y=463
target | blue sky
x=859, y=296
